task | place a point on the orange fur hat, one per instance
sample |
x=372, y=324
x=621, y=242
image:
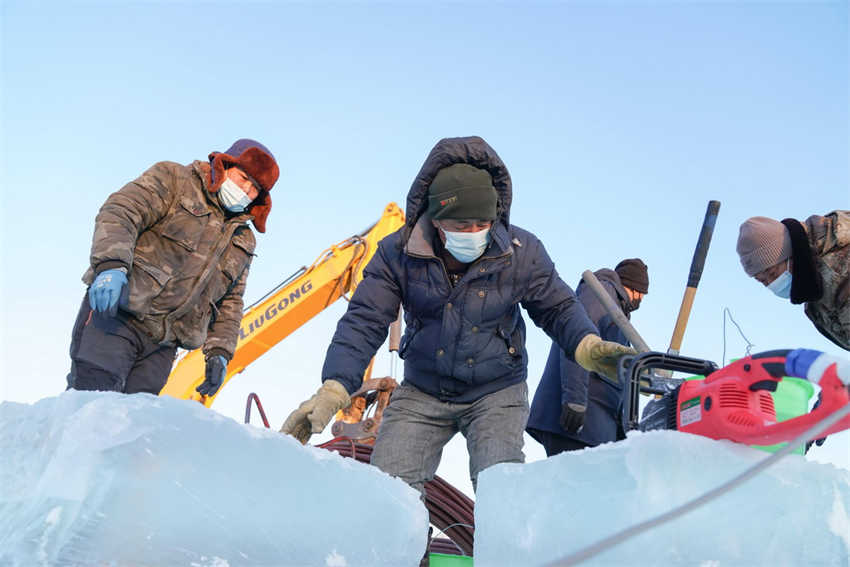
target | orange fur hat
x=258, y=162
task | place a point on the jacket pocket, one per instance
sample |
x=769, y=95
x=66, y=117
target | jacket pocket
x=186, y=224
x=512, y=333
x=236, y=257
x=145, y=284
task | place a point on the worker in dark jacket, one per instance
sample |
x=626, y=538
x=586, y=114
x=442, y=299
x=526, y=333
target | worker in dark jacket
x=461, y=271
x=169, y=261
x=574, y=408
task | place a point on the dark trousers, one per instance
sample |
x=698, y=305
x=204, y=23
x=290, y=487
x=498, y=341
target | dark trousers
x=108, y=353
x=555, y=444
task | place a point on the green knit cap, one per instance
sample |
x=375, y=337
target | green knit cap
x=461, y=191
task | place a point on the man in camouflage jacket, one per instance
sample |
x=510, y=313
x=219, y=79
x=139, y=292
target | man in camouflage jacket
x=169, y=260
x=807, y=263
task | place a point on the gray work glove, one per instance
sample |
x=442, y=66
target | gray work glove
x=595, y=355
x=313, y=415
x=216, y=370
x=572, y=417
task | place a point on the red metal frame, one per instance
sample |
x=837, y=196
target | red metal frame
x=255, y=398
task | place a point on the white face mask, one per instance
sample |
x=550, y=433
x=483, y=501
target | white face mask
x=467, y=246
x=781, y=286
x=232, y=197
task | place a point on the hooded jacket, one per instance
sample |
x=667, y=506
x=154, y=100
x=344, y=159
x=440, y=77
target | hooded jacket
x=465, y=341
x=564, y=381
x=829, y=238
x=187, y=260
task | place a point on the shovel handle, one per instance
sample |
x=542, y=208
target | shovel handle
x=695, y=274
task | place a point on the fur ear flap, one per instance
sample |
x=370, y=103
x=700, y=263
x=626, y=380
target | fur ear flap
x=260, y=209
x=216, y=173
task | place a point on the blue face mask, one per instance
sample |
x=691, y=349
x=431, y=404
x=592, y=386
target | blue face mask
x=467, y=246
x=781, y=286
x=232, y=197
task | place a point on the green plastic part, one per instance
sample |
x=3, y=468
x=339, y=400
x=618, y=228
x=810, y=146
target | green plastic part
x=791, y=399
x=444, y=560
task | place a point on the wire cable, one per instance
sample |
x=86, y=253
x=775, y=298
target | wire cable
x=749, y=344
x=443, y=532
x=628, y=533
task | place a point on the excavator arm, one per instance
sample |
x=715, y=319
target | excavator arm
x=336, y=272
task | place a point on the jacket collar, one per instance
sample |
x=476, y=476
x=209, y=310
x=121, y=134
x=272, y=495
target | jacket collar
x=608, y=275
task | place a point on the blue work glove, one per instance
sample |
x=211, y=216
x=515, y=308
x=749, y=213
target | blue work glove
x=215, y=372
x=106, y=290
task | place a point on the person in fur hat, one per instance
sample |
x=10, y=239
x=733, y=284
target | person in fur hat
x=804, y=262
x=168, y=266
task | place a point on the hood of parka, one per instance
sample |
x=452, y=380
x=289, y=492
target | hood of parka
x=472, y=150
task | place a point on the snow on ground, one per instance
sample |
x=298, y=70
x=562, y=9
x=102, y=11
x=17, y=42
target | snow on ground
x=105, y=479
x=795, y=513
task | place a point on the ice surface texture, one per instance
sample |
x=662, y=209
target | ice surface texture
x=795, y=513
x=92, y=478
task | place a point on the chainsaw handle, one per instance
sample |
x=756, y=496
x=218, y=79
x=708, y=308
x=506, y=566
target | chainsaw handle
x=812, y=365
x=804, y=363
x=630, y=368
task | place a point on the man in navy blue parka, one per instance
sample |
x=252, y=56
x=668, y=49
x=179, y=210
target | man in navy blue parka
x=460, y=271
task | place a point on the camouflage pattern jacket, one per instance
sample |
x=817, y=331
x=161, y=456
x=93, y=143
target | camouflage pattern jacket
x=829, y=237
x=187, y=261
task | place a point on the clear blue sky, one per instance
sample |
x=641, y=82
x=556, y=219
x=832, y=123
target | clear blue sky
x=618, y=122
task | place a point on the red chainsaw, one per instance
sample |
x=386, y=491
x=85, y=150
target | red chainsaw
x=733, y=402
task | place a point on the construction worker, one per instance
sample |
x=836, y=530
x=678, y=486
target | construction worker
x=574, y=408
x=806, y=263
x=168, y=266
x=461, y=272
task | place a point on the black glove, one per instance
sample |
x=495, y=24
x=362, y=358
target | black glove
x=215, y=372
x=572, y=417
x=822, y=440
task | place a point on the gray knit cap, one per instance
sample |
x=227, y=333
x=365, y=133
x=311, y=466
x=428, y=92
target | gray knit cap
x=762, y=243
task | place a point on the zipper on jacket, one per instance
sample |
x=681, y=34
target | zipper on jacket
x=232, y=225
